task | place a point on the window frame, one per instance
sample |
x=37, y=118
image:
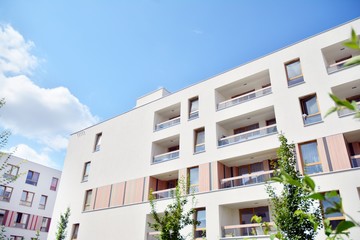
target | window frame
x=196, y=137
x=323, y=210
x=305, y=110
x=43, y=206
x=87, y=200
x=26, y=202
x=196, y=227
x=97, y=143
x=54, y=187
x=304, y=164
x=85, y=175
x=31, y=181
x=75, y=231
x=291, y=81
x=9, y=170
x=193, y=114
x=193, y=188
x=2, y=197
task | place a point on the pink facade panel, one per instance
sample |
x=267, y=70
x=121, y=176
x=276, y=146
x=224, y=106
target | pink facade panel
x=102, y=197
x=338, y=152
x=117, y=194
x=134, y=191
x=204, y=177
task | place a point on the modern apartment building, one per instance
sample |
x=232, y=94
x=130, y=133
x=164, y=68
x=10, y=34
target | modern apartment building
x=222, y=135
x=26, y=205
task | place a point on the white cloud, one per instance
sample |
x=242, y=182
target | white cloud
x=15, y=54
x=45, y=115
x=27, y=153
x=196, y=31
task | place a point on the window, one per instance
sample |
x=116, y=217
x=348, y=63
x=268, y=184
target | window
x=199, y=140
x=54, y=183
x=13, y=237
x=3, y=214
x=75, y=230
x=200, y=230
x=194, y=179
x=45, y=224
x=310, y=109
x=332, y=198
x=26, y=198
x=310, y=158
x=5, y=193
x=21, y=220
x=87, y=204
x=32, y=178
x=294, y=72
x=86, y=172
x=43, y=200
x=97, y=142
x=245, y=218
x=11, y=171
x=193, y=108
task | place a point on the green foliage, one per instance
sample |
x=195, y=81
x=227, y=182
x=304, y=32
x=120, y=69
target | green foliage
x=295, y=214
x=353, y=43
x=174, y=218
x=2, y=233
x=62, y=225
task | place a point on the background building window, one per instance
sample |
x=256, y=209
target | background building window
x=310, y=158
x=5, y=193
x=87, y=204
x=43, y=200
x=11, y=171
x=32, y=178
x=45, y=224
x=97, y=142
x=21, y=220
x=75, y=230
x=3, y=214
x=26, y=198
x=329, y=202
x=294, y=72
x=194, y=180
x=310, y=109
x=200, y=230
x=199, y=140
x=194, y=108
x=54, y=183
x=86, y=171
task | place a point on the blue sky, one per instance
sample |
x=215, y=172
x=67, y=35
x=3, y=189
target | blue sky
x=70, y=64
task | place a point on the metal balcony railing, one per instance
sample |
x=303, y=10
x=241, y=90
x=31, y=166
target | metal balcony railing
x=246, y=179
x=166, y=156
x=249, y=135
x=244, y=98
x=167, y=124
x=345, y=112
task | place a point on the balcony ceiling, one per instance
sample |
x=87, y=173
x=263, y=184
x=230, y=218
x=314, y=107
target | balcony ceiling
x=250, y=158
x=250, y=204
x=348, y=89
x=337, y=51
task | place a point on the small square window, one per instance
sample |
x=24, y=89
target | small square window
x=11, y=171
x=32, y=178
x=294, y=72
x=329, y=202
x=26, y=198
x=310, y=109
x=194, y=179
x=97, y=142
x=54, y=183
x=86, y=171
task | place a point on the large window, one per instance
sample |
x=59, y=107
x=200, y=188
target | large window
x=194, y=108
x=200, y=230
x=194, y=179
x=21, y=220
x=87, y=204
x=42, y=203
x=54, y=183
x=32, y=178
x=75, y=231
x=310, y=157
x=26, y=198
x=245, y=218
x=310, y=109
x=86, y=171
x=98, y=138
x=294, y=72
x=5, y=193
x=331, y=199
x=199, y=140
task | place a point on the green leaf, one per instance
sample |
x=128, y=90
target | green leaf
x=309, y=182
x=353, y=61
x=317, y=196
x=351, y=45
x=343, y=226
x=331, y=110
x=331, y=194
x=330, y=210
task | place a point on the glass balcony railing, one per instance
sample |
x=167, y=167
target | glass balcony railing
x=166, y=193
x=339, y=66
x=246, y=179
x=246, y=230
x=166, y=156
x=167, y=124
x=345, y=111
x=194, y=114
x=355, y=161
x=249, y=135
x=313, y=118
x=244, y=98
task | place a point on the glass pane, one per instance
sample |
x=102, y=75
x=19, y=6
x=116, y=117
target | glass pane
x=194, y=105
x=246, y=215
x=257, y=167
x=293, y=69
x=194, y=176
x=309, y=152
x=43, y=200
x=201, y=217
x=328, y=203
x=262, y=212
x=87, y=168
x=313, y=169
x=23, y=196
x=310, y=106
x=200, y=138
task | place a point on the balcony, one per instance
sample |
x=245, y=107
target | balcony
x=167, y=117
x=244, y=98
x=249, y=135
x=167, y=193
x=247, y=231
x=243, y=90
x=166, y=149
x=336, y=55
x=163, y=185
x=166, y=156
x=246, y=179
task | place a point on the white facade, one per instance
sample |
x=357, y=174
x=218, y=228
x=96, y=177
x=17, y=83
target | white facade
x=240, y=111
x=27, y=204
